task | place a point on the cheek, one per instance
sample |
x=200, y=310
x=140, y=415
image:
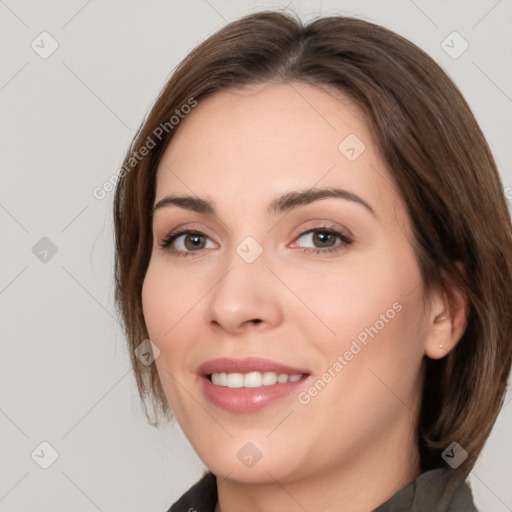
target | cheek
x=346, y=302
x=167, y=297
x=165, y=302
x=374, y=302
x=376, y=315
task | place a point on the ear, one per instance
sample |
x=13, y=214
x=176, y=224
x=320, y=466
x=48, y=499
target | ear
x=447, y=320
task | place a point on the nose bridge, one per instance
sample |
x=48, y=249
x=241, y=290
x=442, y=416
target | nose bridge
x=244, y=294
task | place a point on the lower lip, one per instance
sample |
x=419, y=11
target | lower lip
x=248, y=399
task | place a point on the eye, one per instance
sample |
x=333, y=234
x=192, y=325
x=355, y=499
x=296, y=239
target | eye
x=184, y=242
x=322, y=240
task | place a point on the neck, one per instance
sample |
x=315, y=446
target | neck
x=362, y=484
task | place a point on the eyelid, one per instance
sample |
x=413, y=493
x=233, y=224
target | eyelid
x=184, y=227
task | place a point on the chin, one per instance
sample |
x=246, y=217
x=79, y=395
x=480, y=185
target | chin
x=250, y=462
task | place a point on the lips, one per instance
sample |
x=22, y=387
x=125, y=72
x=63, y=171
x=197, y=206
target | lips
x=246, y=385
x=249, y=364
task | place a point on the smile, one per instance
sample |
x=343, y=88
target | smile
x=247, y=385
x=252, y=379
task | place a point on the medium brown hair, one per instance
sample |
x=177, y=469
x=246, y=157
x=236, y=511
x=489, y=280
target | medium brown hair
x=439, y=160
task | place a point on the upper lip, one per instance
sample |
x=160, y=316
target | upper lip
x=249, y=364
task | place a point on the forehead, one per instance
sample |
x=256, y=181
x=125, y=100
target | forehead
x=260, y=141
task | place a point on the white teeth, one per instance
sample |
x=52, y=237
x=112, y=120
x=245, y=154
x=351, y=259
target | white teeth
x=252, y=379
x=223, y=379
x=235, y=380
x=269, y=378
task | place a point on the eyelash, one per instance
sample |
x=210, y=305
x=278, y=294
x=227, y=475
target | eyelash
x=345, y=241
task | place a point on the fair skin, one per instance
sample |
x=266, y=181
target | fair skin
x=352, y=445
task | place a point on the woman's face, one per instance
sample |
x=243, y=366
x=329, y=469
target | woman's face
x=271, y=279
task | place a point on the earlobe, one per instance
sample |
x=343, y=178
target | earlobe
x=439, y=342
x=447, y=322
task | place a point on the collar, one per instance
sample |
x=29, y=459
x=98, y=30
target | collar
x=437, y=490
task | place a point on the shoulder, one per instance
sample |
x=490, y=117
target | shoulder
x=437, y=490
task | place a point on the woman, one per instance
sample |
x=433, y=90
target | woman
x=311, y=230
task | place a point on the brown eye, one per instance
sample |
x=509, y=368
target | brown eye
x=193, y=241
x=186, y=241
x=328, y=239
x=324, y=239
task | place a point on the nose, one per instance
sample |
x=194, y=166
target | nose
x=245, y=298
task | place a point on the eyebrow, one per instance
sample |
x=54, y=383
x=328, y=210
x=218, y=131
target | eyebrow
x=284, y=203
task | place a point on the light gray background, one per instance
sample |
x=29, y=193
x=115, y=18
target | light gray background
x=66, y=122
